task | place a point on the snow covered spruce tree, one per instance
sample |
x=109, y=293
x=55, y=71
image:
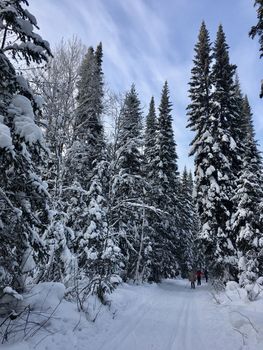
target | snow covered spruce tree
x=225, y=162
x=164, y=184
x=247, y=219
x=23, y=195
x=87, y=180
x=188, y=227
x=200, y=121
x=196, y=253
x=150, y=134
x=86, y=149
x=214, y=118
x=151, y=154
x=88, y=133
x=258, y=30
x=128, y=213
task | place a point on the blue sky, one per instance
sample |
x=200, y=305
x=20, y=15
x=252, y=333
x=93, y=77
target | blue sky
x=149, y=41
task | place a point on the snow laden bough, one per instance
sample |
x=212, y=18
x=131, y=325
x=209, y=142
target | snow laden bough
x=24, y=123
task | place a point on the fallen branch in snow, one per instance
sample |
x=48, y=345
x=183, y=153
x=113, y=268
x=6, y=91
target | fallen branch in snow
x=238, y=293
x=218, y=285
x=40, y=341
x=77, y=324
x=24, y=324
x=9, y=320
x=228, y=297
x=41, y=325
x=246, y=317
x=243, y=335
x=214, y=296
x=97, y=313
x=114, y=313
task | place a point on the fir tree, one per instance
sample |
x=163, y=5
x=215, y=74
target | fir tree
x=130, y=134
x=163, y=176
x=151, y=153
x=247, y=220
x=150, y=132
x=88, y=188
x=223, y=162
x=89, y=144
x=127, y=186
x=187, y=224
x=240, y=123
x=23, y=195
x=200, y=94
x=87, y=149
x=166, y=144
x=99, y=256
x=200, y=121
x=217, y=151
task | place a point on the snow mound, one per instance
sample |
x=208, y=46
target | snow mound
x=232, y=286
x=46, y=296
x=235, y=293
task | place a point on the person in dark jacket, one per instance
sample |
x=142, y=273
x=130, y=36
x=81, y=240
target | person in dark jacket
x=206, y=275
x=199, y=275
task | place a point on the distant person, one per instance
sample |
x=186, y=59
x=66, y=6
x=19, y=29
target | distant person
x=192, y=279
x=199, y=275
x=206, y=275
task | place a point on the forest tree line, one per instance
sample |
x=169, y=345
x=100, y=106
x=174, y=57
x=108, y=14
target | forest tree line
x=89, y=210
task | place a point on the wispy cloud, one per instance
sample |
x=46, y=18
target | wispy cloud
x=149, y=41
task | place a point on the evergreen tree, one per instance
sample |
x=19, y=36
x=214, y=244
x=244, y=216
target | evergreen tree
x=87, y=193
x=88, y=146
x=247, y=220
x=200, y=93
x=240, y=123
x=223, y=162
x=217, y=150
x=200, y=121
x=128, y=189
x=187, y=225
x=99, y=59
x=99, y=256
x=151, y=153
x=196, y=253
x=130, y=140
x=163, y=176
x=87, y=149
x=150, y=132
x=166, y=141
x=23, y=195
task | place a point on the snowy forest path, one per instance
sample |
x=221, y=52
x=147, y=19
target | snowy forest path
x=173, y=317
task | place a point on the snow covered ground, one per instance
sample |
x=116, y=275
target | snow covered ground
x=169, y=316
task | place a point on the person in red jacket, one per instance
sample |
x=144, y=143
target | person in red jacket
x=198, y=275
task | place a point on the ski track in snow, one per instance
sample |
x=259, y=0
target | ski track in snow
x=173, y=317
